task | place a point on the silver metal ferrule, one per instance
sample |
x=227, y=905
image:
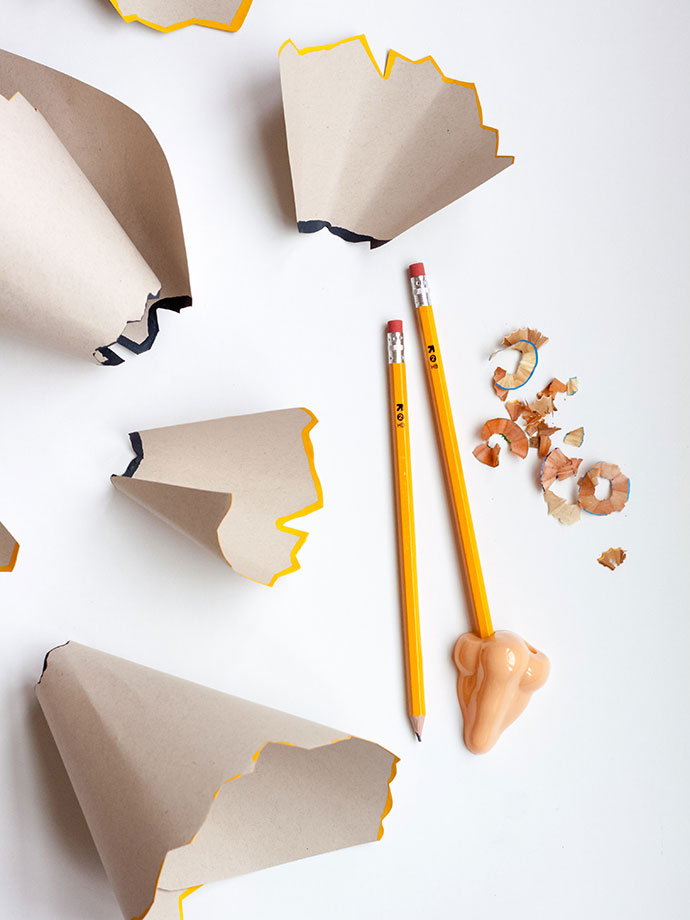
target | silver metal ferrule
x=396, y=348
x=420, y=291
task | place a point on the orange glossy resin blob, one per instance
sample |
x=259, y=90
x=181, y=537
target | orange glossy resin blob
x=496, y=678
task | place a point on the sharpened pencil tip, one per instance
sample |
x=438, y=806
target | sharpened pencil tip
x=417, y=726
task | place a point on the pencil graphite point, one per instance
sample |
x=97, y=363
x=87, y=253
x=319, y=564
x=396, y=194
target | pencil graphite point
x=417, y=726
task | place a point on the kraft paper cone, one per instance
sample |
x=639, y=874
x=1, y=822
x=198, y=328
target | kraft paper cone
x=181, y=785
x=169, y=15
x=92, y=237
x=231, y=485
x=374, y=153
x=9, y=550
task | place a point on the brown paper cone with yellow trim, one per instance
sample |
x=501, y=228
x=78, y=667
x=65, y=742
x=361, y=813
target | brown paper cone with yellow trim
x=182, y=785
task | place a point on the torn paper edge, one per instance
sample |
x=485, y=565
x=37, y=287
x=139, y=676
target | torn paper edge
x=150, y=313
x=313, y=226
x=281, y=522
x=255, y=757
x=234, y=25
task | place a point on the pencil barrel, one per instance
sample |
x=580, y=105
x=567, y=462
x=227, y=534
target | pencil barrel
x=407, y=559
x=448, y=442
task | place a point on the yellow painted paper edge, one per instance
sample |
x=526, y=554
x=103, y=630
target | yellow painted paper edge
x=255, y=757
x=389, y=799
x=13, y=559
x=393, y=56
x=281, y=522
x=234, y=26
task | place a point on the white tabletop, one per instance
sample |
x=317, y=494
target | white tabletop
x=582, y=808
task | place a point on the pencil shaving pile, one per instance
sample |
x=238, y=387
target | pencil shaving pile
x=536, y=433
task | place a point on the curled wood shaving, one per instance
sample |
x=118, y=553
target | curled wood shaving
x=531, y=335
x=557, y=467
x=512, y=433
x=620, y=489
x=572, y=386
x=486, y=454
x=612, y=558
x=527, y=342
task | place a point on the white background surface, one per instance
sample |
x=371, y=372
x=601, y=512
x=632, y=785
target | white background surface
x=582, y=808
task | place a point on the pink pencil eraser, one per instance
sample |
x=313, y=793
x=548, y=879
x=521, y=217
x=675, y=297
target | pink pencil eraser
x=395, y=325
x=417, y=269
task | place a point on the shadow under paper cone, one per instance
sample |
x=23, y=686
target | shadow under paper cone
x=66, y=828
x=272, y=145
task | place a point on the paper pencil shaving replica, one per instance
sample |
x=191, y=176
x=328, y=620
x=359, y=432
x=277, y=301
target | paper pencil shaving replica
x=231, y=485
x=496, y=678
x=9, y=550
x=182, y=785
x=169, y=15
x=374, y=153
x=92, y=238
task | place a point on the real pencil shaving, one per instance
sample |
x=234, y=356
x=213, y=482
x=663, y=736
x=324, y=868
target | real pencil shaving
x=532, y=421
x=557, y=467
x=374, y=152
x=92, y=239
x=553, y=388
x=542, y=443
x=572, y=386
x=612, y=558
x=9, y=550
x=619, y=489
x=527, y=342
x=515, y=407
x=575, y=437
x=564, y=511
x=501, y=392
x=509, y=431
x=487, y=455
x=542, y=406
x=232, y=485
x=182, y=785
x=169, y=15
x=524, y=334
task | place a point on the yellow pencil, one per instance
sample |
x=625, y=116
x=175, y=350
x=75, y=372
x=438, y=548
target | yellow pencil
x=448, y=443
x=405, y=518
